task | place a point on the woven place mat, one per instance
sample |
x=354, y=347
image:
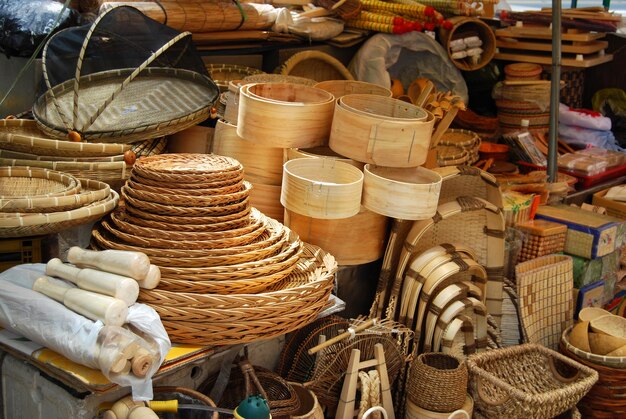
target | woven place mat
x=22, y=225
x=459, y=137
x=24, y=136
x=189, y=228
x=189, y=200
x=92, y=191
x=187, y=192
x=188, y=219
x=179, y=211
x=27, y=182
x=186, y=187
x=200, y=167
x=120, y=221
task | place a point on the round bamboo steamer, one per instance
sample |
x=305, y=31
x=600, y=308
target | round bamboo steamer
x=413, y=411
x=231, y=113
x=339, y=88
x=381, y=130
x=320, y=152
x=404, y=193
x=309, y=406
x=261, y=164
x=352, y=241
x=321, y=188
x=266, y=198
x=284, y=115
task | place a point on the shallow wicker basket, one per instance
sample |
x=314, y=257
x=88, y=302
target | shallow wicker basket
x=468, y=181
x=321, y=188
x=315, y=65
x=284, y=115
x=527, y=381
x=381, y=130
x=224, y=73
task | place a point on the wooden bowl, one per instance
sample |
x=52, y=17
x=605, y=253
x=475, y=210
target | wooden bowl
x=602, y=344
x=609, y=325
x=579, y=337
x=590, y=313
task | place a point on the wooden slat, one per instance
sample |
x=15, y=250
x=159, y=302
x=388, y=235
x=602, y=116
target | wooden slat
x=581, y=48
x=546, y=33
x=547, y=60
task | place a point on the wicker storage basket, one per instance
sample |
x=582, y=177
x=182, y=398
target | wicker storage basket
x=526, y=381
x=315, y=65
x=284, y=115
x=352, y=241
x=542, y=238
x=437, y=382
x=321, y=188
x=309, y=406
x=546, y=304
x=381, y=130
x=339, y=88
x=404, y=193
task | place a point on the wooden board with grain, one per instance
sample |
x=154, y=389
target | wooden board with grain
x=575, y=47
x=546, y=33
x=546, y=59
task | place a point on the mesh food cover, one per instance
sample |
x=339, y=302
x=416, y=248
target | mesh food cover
x=123, y=78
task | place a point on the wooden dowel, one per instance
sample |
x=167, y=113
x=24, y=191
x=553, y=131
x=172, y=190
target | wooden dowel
x=351, y=331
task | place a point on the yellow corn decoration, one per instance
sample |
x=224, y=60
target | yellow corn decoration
x=370, y=26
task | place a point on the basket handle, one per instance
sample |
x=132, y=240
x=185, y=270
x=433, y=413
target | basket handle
x=485, y=397
x=49, y=89
x=558, y=375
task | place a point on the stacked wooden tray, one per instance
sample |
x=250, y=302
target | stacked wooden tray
x=534, y=45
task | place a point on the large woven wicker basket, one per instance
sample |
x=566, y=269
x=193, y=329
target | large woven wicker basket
x=527, y=381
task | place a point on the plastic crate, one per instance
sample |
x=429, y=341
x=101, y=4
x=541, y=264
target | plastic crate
x=18, y=251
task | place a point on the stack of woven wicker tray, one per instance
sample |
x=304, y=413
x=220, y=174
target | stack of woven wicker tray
x=36, y=201
x=229, y=273
x=458, y=146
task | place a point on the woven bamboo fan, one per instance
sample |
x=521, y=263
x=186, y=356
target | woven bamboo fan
x=320, y=152
x=381, y=130
x=468, y=181
x=315, y=65
x=126, y=97
x=23, y=135
x=473, y=222
x=353, y=241
x=284, y=115
x=261, y=164
x=321, y=188
x=339, y=88
x=222, y=74
x=405, y=193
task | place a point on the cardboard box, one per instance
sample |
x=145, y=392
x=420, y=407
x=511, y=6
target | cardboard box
x=589, y=235
x=613, y=208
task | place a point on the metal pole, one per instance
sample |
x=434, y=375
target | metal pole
x=555, y=90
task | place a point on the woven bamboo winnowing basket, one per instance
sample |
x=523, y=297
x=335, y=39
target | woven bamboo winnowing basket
x=113, y=100
x=316, y=65
x=546, y=304
x=526, y=381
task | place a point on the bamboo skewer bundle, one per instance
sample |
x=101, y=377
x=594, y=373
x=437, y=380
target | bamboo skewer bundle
x=208, y=16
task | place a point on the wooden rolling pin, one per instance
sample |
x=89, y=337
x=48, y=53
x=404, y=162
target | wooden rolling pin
x=120, y=287
x=94, y=306
x=152, y=279
x=132, y=264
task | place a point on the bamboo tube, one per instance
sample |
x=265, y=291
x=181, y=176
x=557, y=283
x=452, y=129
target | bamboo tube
x=351, y=331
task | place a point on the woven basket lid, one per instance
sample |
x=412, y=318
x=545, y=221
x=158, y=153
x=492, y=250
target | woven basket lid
x=522, y=70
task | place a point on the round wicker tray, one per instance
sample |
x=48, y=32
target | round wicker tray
x=184, y=167
x=181, y=200
x=26, y=182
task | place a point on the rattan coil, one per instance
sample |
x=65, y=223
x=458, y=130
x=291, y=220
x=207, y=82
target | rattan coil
x=92, y=191
x=525, y=381
x=188, y=192
x=27, y=182
x=207, y=201
x=188, y=219
x=23, y=135
x=437, y=382
x=188, y=185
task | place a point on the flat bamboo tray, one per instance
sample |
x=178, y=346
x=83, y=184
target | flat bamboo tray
x=23, y=135
x=284, y=115
x=18, y=155
x=404, y=193
x=187, y=167
x=222, y=74
x=381, y=130
x=321, y=188
x=26, y=182
x=261, y=164
x=103, y=171
x=352, y=241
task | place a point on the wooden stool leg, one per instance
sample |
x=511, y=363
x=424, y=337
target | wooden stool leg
x=381, y=367
x=345, y=409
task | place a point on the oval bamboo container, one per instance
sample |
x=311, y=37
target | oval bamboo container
x=260, y=164
x=266, y=198
x=323, y=152
x=352, y=241
x=339, y=88
x=284, y=115
x=404, y=193
x=321, y=188
x=380, y=130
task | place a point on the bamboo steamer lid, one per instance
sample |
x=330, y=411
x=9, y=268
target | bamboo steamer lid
x=352, y=241
x=261, y=164
x=284, y=115
x=404, y=193
x=324, y=152
x=321, y=188
x=381, y=130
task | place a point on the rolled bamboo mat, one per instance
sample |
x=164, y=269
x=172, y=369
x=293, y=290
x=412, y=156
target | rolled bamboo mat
x=208, y=16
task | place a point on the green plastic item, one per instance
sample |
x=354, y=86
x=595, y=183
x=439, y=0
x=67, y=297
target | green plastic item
x=253, y=407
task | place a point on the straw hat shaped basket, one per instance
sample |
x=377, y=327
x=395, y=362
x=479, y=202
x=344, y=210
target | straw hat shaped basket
x=315, y=65
x=156, y=87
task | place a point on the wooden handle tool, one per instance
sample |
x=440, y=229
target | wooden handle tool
x=132, y=264
x=351, y=331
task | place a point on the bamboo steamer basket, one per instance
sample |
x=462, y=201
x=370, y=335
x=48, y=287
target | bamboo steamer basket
x=284, y=115
x=262, y=165
x=321, y=188
x=404, y=193
x=352, y=241
x=323, y=152
x=381, y=130
x=266, y=198
x=339, y=88
x=466, y=26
